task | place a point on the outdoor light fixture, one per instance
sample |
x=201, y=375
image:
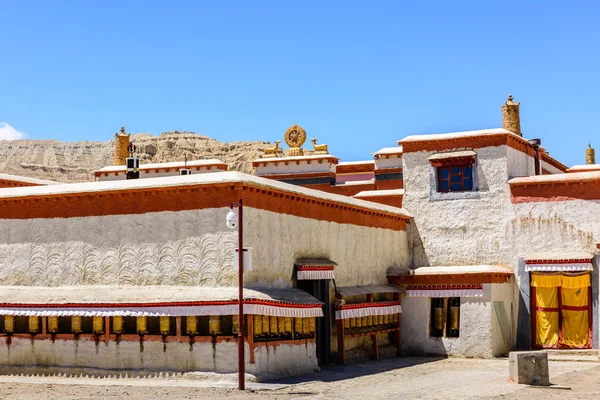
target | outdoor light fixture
x=232, y=222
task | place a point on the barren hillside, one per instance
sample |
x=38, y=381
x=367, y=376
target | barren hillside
x=76, y=161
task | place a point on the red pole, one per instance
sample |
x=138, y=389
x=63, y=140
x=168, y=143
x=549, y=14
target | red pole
x=241, y=362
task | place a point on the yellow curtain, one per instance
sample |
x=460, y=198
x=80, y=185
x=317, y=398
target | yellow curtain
x=546, y=323
x=546, y=280
x=575, y=323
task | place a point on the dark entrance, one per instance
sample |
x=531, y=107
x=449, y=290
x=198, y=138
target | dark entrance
x=320, y=290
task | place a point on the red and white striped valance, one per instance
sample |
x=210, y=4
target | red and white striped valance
x=368, y=309
x=253, y=307
x=314, y=272
x=558, y=265
x=445, y=291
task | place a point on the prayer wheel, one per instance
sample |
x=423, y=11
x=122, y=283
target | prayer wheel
x=214, y=324
x=358, y=322
x=370, y=320
x=346, y=323
x=265, y=325
x=191, y=325
x=165, y=325
x=258, y=325
x=396, y=318
x=298, y=325
x=117, y=325
x=9, y=323
x=141, y=325
x=76, y=322
x=380, y=320
x=311, y=325
x=273, y=327
x=53, y=324
x=364, y=322
x=287, y=324
x=386, y=319
x=438, y=318
x=352, y=322
x=305, y=326
x=454, y=317
x=235, y=324
x=98, y=324
x=34, y=324
x=281, y=325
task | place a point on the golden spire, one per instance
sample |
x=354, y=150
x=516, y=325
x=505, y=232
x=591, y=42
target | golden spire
x=511, y=120
x=590, y=155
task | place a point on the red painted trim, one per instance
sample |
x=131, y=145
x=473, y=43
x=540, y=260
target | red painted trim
x=548, y=309
x=367, y=305
x=564, y=261
x=444, y=287
x=315, y=268
x=533, y=308
x=573, y=308
x=165, y=304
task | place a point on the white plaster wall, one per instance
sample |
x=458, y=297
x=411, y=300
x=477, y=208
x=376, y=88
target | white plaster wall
x=506, y=294
x=153, y=174
x=475, y=327
x=306, y=166
x=551, y=168
x=270, y=362
x=189, y=248
x=395, y=161
x=519, y=163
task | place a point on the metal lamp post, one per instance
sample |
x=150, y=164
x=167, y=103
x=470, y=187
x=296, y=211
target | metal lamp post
x=232, y=222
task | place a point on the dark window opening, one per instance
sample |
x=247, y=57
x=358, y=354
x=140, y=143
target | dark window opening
x=455, y=178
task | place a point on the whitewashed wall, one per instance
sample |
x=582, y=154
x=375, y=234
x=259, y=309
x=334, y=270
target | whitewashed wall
x=188, y=248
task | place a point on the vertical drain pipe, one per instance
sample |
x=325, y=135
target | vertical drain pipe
x=536, y=154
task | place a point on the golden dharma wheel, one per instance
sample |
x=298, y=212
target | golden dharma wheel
x=34, y=324
x=98, y=324
x=454, y=318
x=9, y=323
x=273, y=327
x=288, y=324
x=191, y=325
x=214, y=324
x=52, y=324
x=117, y=325
x=165, y=325
x=295, y=136
x=141, y=325
x=76, y=322
x=258, y=325
x=235, y=324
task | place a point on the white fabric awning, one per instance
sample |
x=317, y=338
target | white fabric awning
x=314, y=269
x=445, y=291
x=154, y=301
x=367, y=309
x=567, y=267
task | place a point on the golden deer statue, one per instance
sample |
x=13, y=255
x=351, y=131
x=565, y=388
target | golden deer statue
x=271, y=152
x=319, y=148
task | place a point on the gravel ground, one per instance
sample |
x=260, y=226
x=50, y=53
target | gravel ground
x=410, y=378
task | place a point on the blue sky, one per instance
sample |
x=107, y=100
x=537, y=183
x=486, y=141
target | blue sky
x=356, y=75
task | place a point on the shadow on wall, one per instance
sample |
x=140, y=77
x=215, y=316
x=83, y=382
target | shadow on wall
x=418, y=256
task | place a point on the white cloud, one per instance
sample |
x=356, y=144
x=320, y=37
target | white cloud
x=7, y=132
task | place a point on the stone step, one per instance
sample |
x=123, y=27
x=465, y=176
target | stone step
x=586, y=355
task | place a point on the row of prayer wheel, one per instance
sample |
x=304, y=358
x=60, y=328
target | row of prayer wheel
x=453, y=322
x=98, y=327
x=371, y=321
x=273, y=326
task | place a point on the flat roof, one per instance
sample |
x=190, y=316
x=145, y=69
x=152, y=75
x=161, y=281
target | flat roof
x=191, y=180
x=365, y=162
x=26, y=179
x=584, y=168
x=556, y=178
x=389, y=150
x=461, y=269
x=174, y=164
x=374, y=193
x=453, y=135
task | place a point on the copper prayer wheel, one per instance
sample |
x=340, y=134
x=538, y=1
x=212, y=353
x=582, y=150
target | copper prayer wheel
x=76, y=321
x=257, y=325
x=117, y=325
x=165, y=325
x=52, y=324
x=288, y=324
x=280, y=325
x=266, y=326
x=352, y=322
x=235, y=324
x=380, y=320
x=454, y=318
x=273, y=328
x=311, y=325
x=214, y=324
x=9, y=323
x=370, y=320
x=305, y=326
x=438, y=318
x=34, y=324
x=191, y=325
x=141, y=325
x=98, y=324
x=386, y=319
x=346, y=323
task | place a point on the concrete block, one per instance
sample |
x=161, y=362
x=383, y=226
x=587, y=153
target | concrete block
x=529, y=367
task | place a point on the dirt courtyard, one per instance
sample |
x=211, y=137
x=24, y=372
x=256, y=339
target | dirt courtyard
x=394, y=378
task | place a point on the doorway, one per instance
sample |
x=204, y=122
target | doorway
x=319, y=288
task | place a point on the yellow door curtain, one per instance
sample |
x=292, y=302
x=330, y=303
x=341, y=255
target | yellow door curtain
x=561, y=310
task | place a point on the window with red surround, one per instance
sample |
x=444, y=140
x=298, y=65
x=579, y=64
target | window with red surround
x=455, y=178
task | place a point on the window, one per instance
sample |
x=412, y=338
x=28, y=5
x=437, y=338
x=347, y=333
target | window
x=455, y=178
x=445, y=317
